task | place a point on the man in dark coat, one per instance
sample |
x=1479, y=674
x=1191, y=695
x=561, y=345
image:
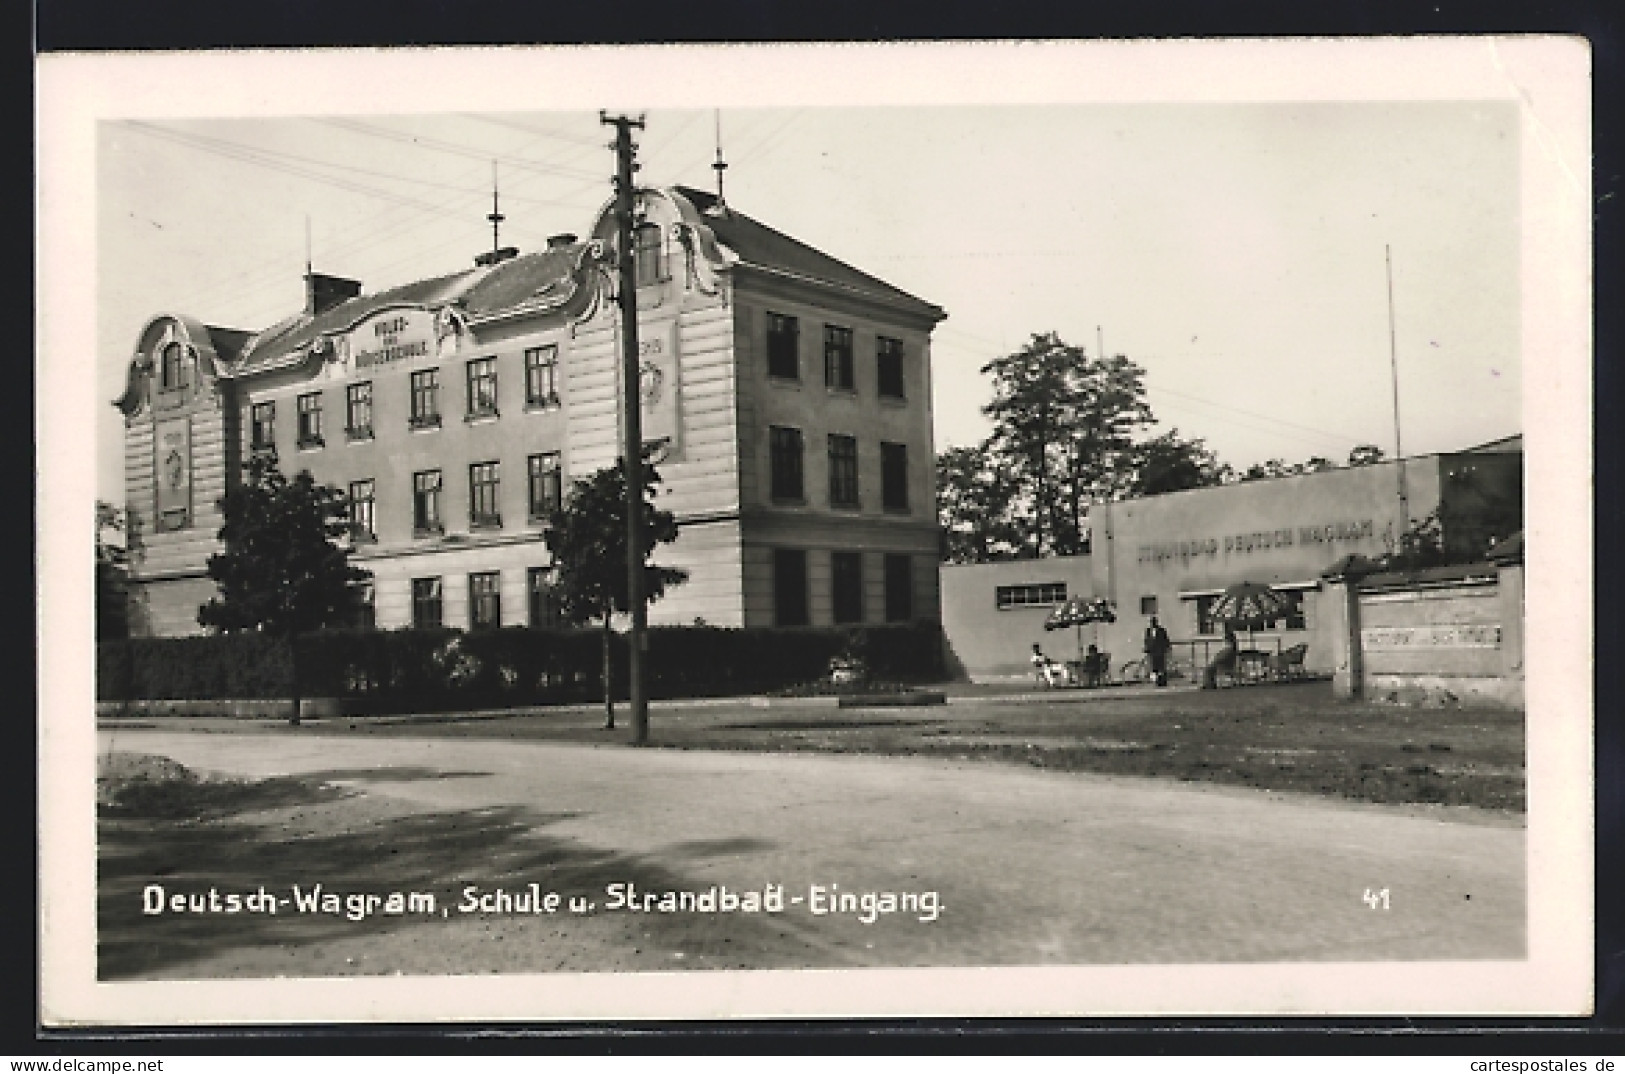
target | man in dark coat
x=1157, y=645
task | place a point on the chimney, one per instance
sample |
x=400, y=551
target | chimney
x=561, y=240
x=322, y=292
x=491, y=257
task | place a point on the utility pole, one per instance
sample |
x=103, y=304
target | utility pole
x=632, y=419
x=1393, y=369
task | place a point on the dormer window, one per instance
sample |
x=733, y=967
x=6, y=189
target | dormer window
x=648, y=254
x=172, y=368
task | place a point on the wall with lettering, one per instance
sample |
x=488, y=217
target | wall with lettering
x=398, y=335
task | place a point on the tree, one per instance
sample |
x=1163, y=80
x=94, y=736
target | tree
x=587, y=536
x=1168, y=463
x=112, y=573
x=284, y=569
x=975, y=496
x=1366, y=455
x=1061, y=421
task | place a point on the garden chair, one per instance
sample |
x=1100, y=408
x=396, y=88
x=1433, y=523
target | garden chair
x=1288, y=663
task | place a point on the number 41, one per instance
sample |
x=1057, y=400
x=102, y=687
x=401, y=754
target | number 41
x=1376, y=899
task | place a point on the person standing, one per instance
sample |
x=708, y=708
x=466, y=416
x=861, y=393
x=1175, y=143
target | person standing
x=1157, y=646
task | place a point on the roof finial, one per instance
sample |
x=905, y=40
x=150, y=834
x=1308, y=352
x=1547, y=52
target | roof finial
x=720, y=165
x=307, y=244
x=495, y=215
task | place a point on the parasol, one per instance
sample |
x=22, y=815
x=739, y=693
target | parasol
x=1080, y=610
x=1249, y=605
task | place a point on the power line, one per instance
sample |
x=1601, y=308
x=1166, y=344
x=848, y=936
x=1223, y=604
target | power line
x=426, y=142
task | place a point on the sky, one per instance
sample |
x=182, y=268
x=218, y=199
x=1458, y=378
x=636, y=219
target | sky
x=1235, y=251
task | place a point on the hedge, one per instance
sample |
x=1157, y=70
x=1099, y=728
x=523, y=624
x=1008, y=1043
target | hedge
x=439, y=670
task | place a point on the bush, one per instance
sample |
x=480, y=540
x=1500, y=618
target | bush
x=438, y=670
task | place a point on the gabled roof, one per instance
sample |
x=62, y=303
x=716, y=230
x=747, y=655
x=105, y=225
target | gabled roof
x=1505, y=444
x=761, y=246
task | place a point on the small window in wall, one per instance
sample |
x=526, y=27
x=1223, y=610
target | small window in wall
x=367, y=606
x=648, y=257
x=1148, y=605
x=784, y=445
x=1029, y=596
x=310, y=420
x=544, y=604
x=889, y=367
x=358, y=411
x=426, y=399
x=899, y=589
x=894, y=476
x=425, y=603
x=838, y=372
x=789, y=587
x=482, y=388
x=1205, y=623
x=426, y=502
x=363, y=511
x=546, y=485
x=542, y=377
x=172, y=376
x=485, y=600
x=782, y=346
x=846, y=586
x=843, y=470
x=262, y=426
x=484, y=495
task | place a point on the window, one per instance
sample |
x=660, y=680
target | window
x=425, y=603
x=838, y=357
x=1205, y=623
x=889, y=367
x=366, y=612
x=546, y=485
x=648, y=259
x=262, y=426
x=789, y=587
x=172, y=374
x=894, y=476
x=485, y=600
x=310, y=420
x=482, y=388
x=1148, y=605
x=1029, y=596
x=426, y=502
x=363, y=507
x=843, y=470
x=899, y=589
x=542, y=376
x=1294, y=618
x=426, y=399
x=846, y=586
x=544, y=605
x=358, y=411
x=484, y=492
x=785, y=445
x=783, y=345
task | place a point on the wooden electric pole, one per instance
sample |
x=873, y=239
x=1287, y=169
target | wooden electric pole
x=632, y=419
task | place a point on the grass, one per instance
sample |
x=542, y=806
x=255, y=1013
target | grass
x=1280, y=738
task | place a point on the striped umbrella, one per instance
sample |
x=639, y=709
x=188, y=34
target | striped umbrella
x=1250, y=606
x=1078, y=611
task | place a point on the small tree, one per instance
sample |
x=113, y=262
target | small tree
x=285, y=568
x=587, y=537
x=112, y=572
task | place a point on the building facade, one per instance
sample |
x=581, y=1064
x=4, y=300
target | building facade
x=788, y=396
x=1173, y=555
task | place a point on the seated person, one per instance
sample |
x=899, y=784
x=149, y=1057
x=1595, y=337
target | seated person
x=1049, y=672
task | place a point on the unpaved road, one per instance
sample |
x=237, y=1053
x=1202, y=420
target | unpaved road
x=1031, y=867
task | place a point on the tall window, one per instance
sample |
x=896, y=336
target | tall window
x=425, y=603
x=485, y=600
x=789, y=587
x=426, y=502
x=425, y=398
x=310, y=420
x=542, y=376
x=785, y=447
x=648, y=259
x=484, y=495
x=262, y=426
x=783, y=346
x=843, y=470
x=172, y=375
x=367, y=607
x=482, y=387
x=1028, y=596
x=544, y=606
x=899, y=589
x=363, y=511
x=838, y=357
x=894, y=476
x=358, y=411
x=889, y=367
x=846, y=586
x=546, y=485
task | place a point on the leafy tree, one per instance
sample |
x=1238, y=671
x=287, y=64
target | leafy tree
x=1366, y=455
x=1060, y=423
x=975, y=497
x=284, y=569
x=1168, y=463
x=112, y=573
x=587, y=536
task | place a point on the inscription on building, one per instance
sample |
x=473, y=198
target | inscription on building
x=1432, y=636
x=397, y=336
x=1256, y=540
